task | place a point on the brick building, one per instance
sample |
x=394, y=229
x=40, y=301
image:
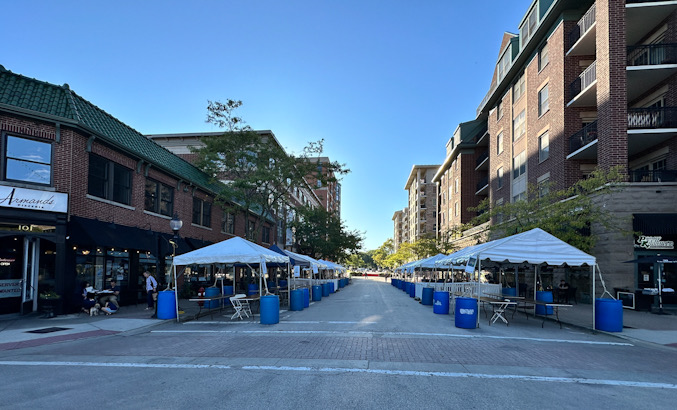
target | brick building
x=422, y=194
x=84, y=197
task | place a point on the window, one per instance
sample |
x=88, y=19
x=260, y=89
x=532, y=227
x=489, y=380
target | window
x=543, y=102
x=519, y=127
x=202, y=212
x=499, y=110
x=456, y=186
x=518, y=89
x=543, y=187
x=499, y=177
x=28, y=161
x=109, y=180
x=265, y=235
x=250, y=231
x=499, y=141
x=159, y=198
x=519, y=165
x=456, y=208
x=543, y=147
x=229, y=222
x=499, y=215
x=529, y=28
x=519, y=197
x=543, y=57
x=504, y=63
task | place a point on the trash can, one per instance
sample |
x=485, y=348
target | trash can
x=209, y=293
x=317, y=293
x=325, y=289
x=609, y=315
x=427, y=296
x=227, y=290
x=270, y=309
x=412, y=290
x=306, y=297
x=331, y=287
x=283, y=284
x=253, y=289
x=296, y=299
x=166, y=304
x=441, y=303
x=466, y=313
x=509, y=291
x=545, y=296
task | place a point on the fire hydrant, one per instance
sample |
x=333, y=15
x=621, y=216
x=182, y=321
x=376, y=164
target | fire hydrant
x=201, y=294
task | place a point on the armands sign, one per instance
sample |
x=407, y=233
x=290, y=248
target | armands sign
x=22, y=198
x=654, y=242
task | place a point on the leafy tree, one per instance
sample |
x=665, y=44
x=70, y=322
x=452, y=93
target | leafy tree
x=259, y=175
x=380, y=255
x=405, y=253
x=431, y=246
x=322, y=234
x=567, y=214
x=360, y=260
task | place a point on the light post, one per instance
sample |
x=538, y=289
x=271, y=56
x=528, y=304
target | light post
x=174, y=224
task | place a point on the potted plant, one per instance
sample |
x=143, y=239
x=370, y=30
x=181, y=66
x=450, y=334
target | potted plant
x=49, y=302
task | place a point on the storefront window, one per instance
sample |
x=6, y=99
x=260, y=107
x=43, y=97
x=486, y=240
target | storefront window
x=28, y=161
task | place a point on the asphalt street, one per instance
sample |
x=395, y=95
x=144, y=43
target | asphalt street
x=368, y=345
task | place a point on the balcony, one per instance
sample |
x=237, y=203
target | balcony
x=583, y=90
x=649, y=65
x=482, y=161
x=643, y=16
x=483, y=186
x=663, y=175
x=582, y=39
x=582, y=145
x=650, y=126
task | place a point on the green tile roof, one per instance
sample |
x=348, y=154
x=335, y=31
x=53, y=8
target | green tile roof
x=40, y=97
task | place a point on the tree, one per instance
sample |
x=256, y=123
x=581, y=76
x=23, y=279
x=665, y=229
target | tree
x=567, y=214
x=322, y=234
x=431, y=246
x=360, y=260
x=381, y=254
x=259, y=175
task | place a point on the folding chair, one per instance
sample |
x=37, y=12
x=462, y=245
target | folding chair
x=240, y=306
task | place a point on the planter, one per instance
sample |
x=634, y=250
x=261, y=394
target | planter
x=49, y=306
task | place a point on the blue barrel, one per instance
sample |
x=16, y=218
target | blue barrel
x=317, y=293
x=427, y=296
x=509, y=291
x=166, y=305
x=405, y=287
x=283, y=284
x=228, y=290
x=342, y=283
x=545, y=296
x=466, y=313
x=331, y=287
x=271, y=284
x=211, y=292
x=306, y=297
x=253, y=289
x=608, y=315
x=441, y=302
x=393, y=282
x=296, y=299
x=400, y=284
x=270, y=309
x=325, y=289
x=412, y=290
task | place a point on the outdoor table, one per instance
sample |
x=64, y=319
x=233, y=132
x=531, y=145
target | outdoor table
x=209, y=299
x=250, y=299
x=498, y=307
x=555, y=307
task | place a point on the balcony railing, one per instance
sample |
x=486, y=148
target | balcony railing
x=647, y=118
x=583, y=137
x=587, y=77
x=641, y=1
x=652, y=54
x=483, y=182
x=663, y=175
x=483, y=156
x=582, y=26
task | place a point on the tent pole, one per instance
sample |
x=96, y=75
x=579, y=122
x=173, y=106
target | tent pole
x=479, y=289
x=594, y=325
x=176, y=292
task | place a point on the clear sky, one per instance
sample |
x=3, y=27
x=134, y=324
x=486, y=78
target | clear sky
x=383, y=82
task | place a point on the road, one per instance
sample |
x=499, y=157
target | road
x=368, y=346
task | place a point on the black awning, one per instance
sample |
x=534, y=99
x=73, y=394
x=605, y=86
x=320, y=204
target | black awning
x=197, y=243
x=655, y=224
x=93, y=233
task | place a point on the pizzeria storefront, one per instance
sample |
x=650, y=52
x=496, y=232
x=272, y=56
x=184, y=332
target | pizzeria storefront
x=32, y=247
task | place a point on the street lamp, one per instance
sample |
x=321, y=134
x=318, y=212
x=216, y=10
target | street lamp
x=176, y=224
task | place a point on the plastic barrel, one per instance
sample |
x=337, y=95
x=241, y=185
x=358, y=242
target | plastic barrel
x=166, y=305
x=306, y=297
x=271, y=284
x=412, y=290
x=270, y=309
x=228, y=290
x=331, y=287
x=466, y=313
x=400, y=283
x=317, y=293
x=608, y=315
x=253, y=289
x=441, y=302
x=342, y=283
x=296, y=300
x=545, y=296
x=510, y=291
x=211, y=292
x=427, y=296
x=283, y=283
x=325, y=289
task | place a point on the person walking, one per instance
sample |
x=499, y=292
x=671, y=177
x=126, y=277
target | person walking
x=151, y=289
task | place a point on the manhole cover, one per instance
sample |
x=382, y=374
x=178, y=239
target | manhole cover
x=49, y=330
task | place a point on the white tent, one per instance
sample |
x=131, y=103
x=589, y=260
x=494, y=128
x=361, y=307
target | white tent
x=233, y=250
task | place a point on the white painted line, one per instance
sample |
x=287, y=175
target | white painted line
x=365, y=333
x=100, y=364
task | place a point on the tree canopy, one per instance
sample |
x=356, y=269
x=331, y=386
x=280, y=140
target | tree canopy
x=322, y=235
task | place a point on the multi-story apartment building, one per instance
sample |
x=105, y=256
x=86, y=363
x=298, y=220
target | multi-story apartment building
x=422, y=194
x=401, y=228
x=328, y=193
x=588, y=84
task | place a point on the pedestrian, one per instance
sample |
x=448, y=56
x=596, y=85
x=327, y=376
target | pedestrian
x=151, y=289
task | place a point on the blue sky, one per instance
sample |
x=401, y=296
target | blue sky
x=384, y=83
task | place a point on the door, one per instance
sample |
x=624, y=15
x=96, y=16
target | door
x=31, y=262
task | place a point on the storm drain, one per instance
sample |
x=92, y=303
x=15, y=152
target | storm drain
x=49, y=330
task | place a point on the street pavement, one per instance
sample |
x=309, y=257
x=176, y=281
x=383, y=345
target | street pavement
x=368, y=345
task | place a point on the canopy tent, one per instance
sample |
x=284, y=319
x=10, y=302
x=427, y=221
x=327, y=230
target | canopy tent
x=427, y=263
x=332, y=265
x=294, y=259
x=403, y=268
x=534, y=247
x=231, y=251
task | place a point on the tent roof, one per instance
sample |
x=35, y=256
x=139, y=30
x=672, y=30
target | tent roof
x=294, y=259
x=534, y=247
x=427, y=263
x=306, y=259
x=233, y=250
x=332, y=265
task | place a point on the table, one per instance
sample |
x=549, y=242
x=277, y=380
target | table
x=240, y=309
x=200, y=301
x=499, y=307
x=555, y=307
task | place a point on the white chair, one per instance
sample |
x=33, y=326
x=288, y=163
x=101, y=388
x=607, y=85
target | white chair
x=240, y=306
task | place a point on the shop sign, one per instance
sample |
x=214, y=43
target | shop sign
x=10, y=288
x=22, y=198
x=654, y=242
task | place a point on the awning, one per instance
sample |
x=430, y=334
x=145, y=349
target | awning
x=655, y=224
x=93, y=233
